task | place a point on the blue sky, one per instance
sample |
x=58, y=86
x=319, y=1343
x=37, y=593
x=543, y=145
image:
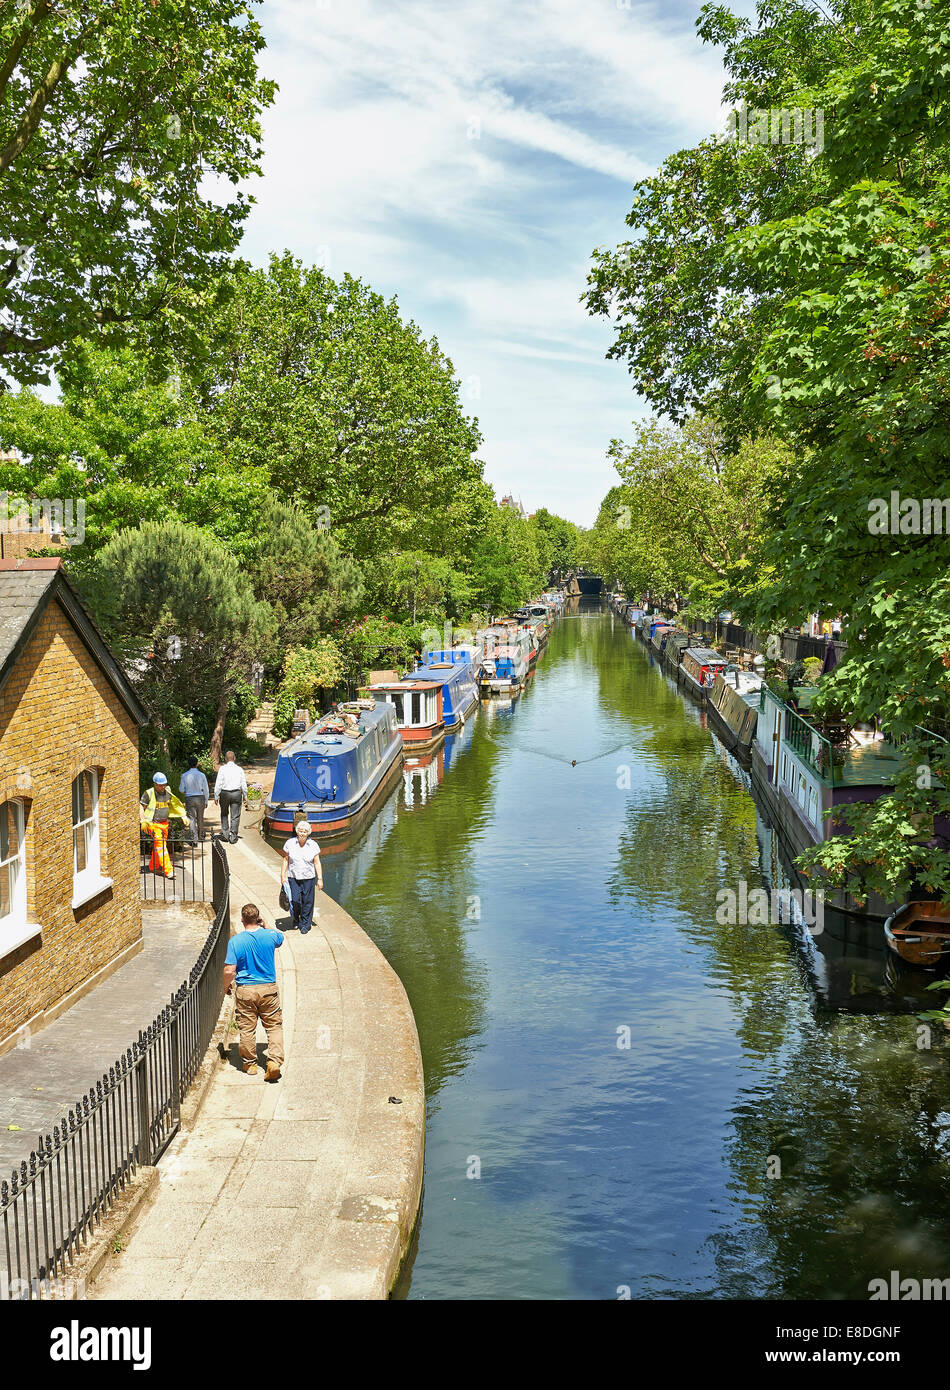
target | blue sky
x=466, y=156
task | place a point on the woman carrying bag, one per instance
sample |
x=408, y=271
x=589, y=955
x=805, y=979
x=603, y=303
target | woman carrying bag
x=300, y=874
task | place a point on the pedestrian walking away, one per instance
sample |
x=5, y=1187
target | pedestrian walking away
x=194, y=788
x=230, y=792
x=301, y=874
x=251, y=969
x=158, y=807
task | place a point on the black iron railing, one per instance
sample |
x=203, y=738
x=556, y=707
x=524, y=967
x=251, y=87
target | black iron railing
x=54, y=1201
x=188, y=864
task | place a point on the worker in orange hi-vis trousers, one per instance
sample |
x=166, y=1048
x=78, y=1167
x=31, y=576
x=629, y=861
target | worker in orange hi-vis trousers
x=156, y=809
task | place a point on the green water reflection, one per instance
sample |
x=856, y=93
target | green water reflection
x=535, y=909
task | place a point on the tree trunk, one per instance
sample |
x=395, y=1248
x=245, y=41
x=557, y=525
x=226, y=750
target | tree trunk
x=217, y=738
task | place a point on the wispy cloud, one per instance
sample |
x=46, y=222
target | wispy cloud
x=468, y=157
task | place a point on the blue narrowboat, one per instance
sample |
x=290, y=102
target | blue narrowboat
x=433, y=699
x=455, y=670
x=335, y=771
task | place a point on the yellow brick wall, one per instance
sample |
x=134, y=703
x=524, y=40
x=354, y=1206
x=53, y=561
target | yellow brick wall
x=59, y=715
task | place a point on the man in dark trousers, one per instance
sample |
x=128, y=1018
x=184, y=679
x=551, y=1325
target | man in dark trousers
x=251, y=967
x=194, y=788
x=230, y=790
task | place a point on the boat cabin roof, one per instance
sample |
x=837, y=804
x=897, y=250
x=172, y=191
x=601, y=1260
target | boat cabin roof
x=317, y=737
x=705, y=656
x=409, y=683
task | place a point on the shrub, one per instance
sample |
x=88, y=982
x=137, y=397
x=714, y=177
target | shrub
x=309, y=672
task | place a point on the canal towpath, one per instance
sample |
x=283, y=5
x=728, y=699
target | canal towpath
x=308, y=1188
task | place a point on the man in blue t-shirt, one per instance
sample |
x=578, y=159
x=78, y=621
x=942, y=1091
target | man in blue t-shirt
x=250, y=967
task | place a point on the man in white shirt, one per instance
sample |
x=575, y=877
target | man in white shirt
x=230, y=793
x=301, y=874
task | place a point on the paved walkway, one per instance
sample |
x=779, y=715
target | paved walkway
x=307, y=1188
x=41, y=1082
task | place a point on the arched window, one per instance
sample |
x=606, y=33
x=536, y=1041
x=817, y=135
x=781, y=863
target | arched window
x=14, y=927
x=12, y=865
x=87, y=873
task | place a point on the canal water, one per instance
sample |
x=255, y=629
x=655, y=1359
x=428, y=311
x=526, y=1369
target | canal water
x=625, y=1096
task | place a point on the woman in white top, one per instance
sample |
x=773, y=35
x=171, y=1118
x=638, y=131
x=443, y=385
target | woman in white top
x=301, y=874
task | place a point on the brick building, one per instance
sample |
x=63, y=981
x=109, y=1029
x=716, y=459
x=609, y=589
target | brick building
x=70, y=912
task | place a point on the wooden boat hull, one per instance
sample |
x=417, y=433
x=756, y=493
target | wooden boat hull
x=919, y=933
x=689, y=682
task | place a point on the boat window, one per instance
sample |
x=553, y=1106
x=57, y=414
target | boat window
x=397, y=702
x=416, y=707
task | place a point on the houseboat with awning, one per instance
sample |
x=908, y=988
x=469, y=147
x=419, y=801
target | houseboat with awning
x=335, y=772
x=698, y=669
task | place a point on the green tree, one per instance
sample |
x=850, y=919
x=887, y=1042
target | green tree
x=113, y=116
x=414, y=586
x=377, y=644
x=180, y=608
x=302, y=573
x=506, y=563
x=355, y=416
x=824, y=278
x=309, y=672
x=557, y=541
x=131, y=445
x=687, y=519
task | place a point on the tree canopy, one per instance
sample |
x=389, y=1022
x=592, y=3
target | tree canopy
x=686, y=521
x=801, y=288
x=116, y=119
x=351, y=412
x=805, y=292
x=183, y=612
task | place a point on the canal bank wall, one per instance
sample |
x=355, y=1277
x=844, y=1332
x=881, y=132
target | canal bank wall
x=308, y=1188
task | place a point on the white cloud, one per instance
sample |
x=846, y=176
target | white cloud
x=469, y=157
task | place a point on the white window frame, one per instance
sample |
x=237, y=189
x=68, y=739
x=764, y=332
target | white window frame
x=88, y=882
x=15, y=929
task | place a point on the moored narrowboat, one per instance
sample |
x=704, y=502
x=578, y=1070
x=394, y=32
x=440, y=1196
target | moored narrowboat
x=919, y=932
x=673, y=643
x=455, y=670
x=511, y=632
x=732, y=704
x=418, y=707
x=504, y=671
x=334, y=773
x=658, y=634
x=698, y=669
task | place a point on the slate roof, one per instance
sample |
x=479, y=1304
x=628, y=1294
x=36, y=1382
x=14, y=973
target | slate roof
x=26, y=587
x=21, y=592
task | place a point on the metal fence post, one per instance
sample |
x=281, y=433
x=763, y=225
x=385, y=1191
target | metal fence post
x=144, y=1138
x=175, y=1046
